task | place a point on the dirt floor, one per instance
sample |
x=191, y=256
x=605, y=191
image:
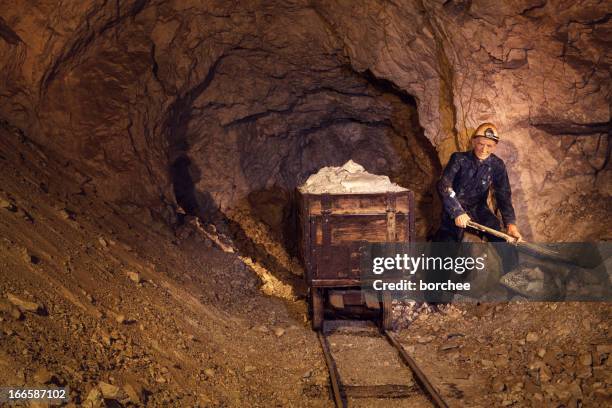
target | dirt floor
x=124, y=310
x=516, y=354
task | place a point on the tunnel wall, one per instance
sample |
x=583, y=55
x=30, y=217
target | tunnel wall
x=127, y=88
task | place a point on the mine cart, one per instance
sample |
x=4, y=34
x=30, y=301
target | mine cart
x=334, y=228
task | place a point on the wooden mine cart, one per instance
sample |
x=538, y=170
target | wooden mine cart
x=333, y=229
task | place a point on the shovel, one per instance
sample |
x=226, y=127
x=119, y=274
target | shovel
x=532, y=249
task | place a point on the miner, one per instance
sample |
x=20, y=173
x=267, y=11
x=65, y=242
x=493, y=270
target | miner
x=464, y=189
x=465, y=184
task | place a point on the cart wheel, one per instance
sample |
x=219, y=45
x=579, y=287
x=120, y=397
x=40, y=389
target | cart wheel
x=386, y=312
x=316, y=304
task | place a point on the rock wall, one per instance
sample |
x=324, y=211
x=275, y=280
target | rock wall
x=539, y=69
x=224, y=104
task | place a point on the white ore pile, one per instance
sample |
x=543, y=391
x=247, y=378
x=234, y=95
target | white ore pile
x=350, y=178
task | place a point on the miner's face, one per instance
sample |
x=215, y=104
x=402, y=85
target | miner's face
x=483, y=147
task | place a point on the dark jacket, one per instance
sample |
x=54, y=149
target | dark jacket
x=465, y=183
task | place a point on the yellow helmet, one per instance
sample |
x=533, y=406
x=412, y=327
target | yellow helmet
x=487, y=130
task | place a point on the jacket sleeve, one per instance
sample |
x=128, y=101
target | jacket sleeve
x=445, y=188
x=503, y=194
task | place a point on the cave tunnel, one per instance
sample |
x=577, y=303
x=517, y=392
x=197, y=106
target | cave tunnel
x=255, y=162
x=251, y=142
x=150, y=156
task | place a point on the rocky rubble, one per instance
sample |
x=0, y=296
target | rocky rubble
x=124, y=313
x=25, y=305
x=561, y=359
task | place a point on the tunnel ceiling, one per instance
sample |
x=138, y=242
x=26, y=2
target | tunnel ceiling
x=231, y=103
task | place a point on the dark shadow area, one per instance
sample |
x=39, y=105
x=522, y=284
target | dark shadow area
x=427, y=202
x=182, y=183
x=278, y=209
x=386, y=86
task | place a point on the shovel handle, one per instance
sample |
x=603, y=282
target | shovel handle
x=522, y=245
x=492, y=231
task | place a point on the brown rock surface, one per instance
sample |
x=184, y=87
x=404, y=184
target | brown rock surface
x=243, y=101
x=191, y=292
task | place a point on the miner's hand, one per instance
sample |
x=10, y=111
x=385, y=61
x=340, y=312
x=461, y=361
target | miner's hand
x=462, y=220
x=513, y=231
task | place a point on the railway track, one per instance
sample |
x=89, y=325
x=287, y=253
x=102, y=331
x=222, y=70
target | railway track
x=413, y=388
